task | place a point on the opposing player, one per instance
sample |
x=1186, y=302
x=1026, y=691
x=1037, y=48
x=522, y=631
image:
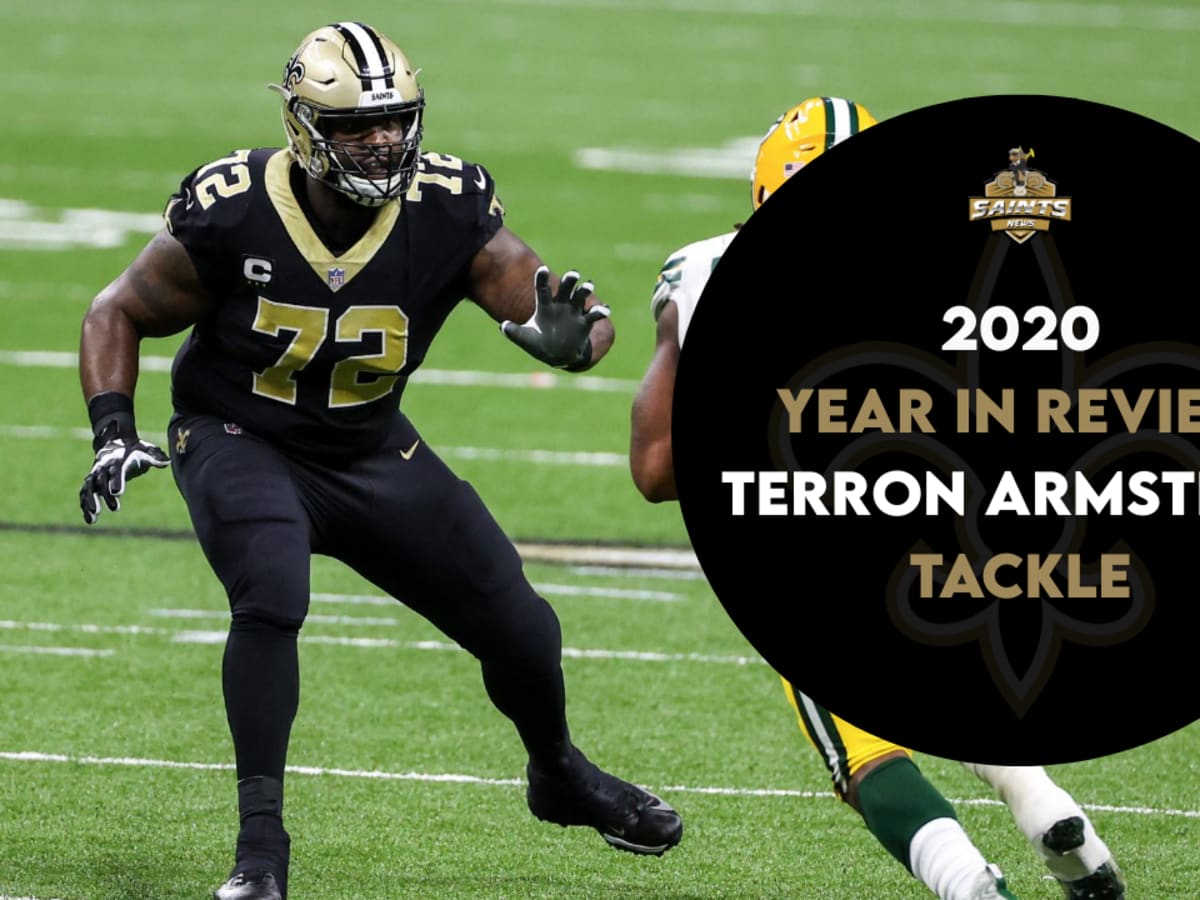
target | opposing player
x=879, y=779
x=314, y=279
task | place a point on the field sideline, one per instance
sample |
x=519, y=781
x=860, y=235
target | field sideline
x=616, y=130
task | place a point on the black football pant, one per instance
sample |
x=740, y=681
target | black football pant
x=408, y=525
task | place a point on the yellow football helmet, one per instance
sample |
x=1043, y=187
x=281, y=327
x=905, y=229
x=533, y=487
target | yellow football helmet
x=799, y=136
x=347, y=79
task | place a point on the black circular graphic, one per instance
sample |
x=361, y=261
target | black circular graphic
x=937, y=430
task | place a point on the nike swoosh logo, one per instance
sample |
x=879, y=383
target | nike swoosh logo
x=480, y=181
x=407, y=454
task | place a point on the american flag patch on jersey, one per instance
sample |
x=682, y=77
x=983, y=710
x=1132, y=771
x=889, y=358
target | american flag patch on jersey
x=337, y=277
x=791, y=168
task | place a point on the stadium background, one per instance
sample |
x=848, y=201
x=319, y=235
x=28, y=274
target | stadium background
x=616, y=131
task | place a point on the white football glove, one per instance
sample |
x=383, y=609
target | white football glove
x=116, y=462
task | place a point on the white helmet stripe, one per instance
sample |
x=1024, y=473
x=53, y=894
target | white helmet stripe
x=368, y=51
x=840, y=125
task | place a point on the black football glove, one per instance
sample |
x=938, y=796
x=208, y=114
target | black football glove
x=118, y=459
x=558, y=332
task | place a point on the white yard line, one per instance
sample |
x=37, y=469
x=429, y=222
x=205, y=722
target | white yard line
x=361, y=643
x=47, y=290
x=595, y=459
x=83, y=628
x=50, y=433
x=353, y=599
x=192, y=636
x=654, y=656
x=553, y=590
x=32, y=756
x=23, y=226
x=731, y=161
x=600, y=459
x=569, y=590
x=631, y=572
x=573, y=554
x=537, y=380
x=53, y=651
x=1001, y=13
x=310, y=619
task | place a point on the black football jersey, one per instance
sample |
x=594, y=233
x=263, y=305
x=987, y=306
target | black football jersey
x=304, y=346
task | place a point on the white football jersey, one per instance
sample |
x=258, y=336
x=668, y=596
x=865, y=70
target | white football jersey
x=683, y=276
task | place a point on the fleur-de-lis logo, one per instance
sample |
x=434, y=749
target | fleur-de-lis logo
x=293, y=73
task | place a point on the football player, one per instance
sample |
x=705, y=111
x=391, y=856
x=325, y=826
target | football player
x=879, y=779
x=313, y=279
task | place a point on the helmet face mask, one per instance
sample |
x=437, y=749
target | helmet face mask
x=352, y=161
x=352, y=111
x=799, y=136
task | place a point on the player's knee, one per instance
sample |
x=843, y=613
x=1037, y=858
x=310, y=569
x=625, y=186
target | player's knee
x=851, y=794
x=540, y=629
x=275, y=592
x=528, y=633
x=536, y=640
x=247, y=620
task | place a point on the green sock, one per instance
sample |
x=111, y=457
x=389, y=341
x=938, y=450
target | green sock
x=896, y=801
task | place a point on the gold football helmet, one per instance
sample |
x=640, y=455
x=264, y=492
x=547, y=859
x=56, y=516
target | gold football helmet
x=346, y=85
x=799, y=136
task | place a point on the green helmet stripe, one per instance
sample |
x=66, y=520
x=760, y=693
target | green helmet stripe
x=830, y=129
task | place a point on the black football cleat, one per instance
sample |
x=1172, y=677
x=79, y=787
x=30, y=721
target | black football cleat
x=627, y=816
x=250, y=885
x=1105, y=883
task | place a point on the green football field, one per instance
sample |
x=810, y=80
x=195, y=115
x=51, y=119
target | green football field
x=616, y=130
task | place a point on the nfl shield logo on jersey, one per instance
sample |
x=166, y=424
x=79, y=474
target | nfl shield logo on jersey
x=337, y=277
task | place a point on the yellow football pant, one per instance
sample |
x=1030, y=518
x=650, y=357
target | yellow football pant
x=844, y=748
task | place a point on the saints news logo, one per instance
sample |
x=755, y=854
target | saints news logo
x=1019, y=200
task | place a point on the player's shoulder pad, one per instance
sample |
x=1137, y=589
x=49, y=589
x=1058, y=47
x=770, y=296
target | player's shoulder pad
x=668, y=279
x=457, y=177
x=218, y=193
x=671, y=274
x=692, y=262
